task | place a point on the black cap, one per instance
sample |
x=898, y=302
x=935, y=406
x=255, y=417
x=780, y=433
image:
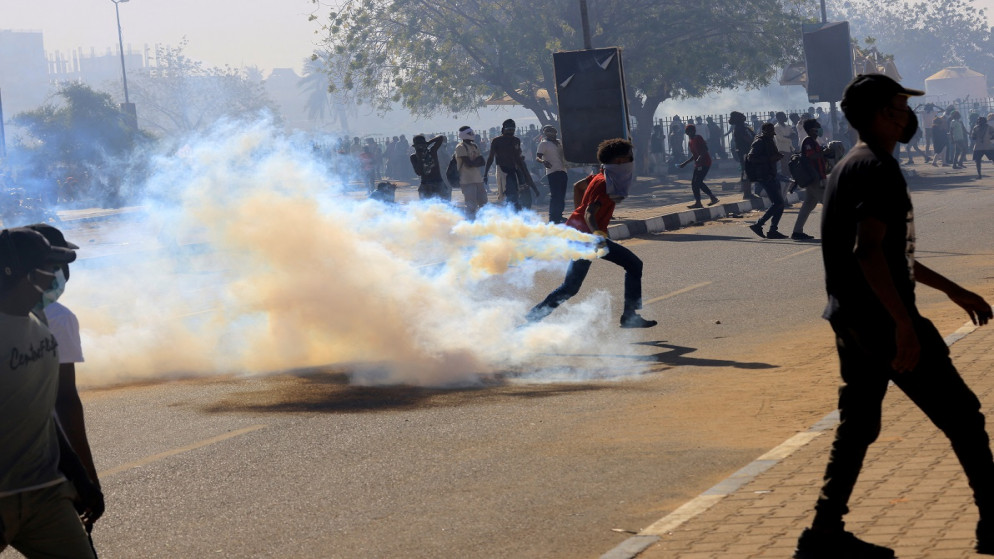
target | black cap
x=54, y=236
x=23, y=250
x=873, y=89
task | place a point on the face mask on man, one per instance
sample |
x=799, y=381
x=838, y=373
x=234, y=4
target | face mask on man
x=618, y=178
x=910, y=129
x=52, y=294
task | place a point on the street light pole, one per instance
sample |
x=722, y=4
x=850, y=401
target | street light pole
x=127, y=107
x=120, y=40
x=585, y=23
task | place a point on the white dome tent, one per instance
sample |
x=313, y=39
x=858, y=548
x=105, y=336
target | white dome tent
x=956, y=82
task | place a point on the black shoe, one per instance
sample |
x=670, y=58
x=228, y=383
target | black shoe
x=837, y=545
x=801, y=236
x=697, y=205
x=713, y=202
x=633, y=320
x=985, y=538
x=751, y=197
x=774, y=234
x=758, y=229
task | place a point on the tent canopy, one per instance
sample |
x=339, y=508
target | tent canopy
x=957, y=82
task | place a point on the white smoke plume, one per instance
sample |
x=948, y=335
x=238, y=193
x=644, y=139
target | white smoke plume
x=251, y=258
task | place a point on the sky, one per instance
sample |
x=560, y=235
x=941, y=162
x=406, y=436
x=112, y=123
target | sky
x=263, y=33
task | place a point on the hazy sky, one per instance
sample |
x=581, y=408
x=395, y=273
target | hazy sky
x=263, y=33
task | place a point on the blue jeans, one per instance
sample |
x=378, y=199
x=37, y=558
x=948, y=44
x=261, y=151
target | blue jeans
x=775, y=212
x=577, y=272
x=557, y=196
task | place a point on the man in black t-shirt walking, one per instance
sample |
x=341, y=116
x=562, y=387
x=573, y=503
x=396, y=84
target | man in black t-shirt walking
x=868, y=243
x=506, y=150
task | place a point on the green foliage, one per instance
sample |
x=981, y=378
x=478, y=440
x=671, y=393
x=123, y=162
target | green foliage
x=78, y=138
x=926, y=36
x=453, y=55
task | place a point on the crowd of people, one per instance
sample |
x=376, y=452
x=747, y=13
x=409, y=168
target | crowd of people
x=50, y=493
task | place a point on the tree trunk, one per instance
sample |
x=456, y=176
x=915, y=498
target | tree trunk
x=643, y=114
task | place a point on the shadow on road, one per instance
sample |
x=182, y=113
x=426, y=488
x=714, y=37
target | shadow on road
x=943, y=182
x=322, y=391
x=677, y=356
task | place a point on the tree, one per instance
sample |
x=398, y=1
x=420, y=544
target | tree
x=323, y=98
x=79, y=147
x=454, y=54
x=927, y=36
x=179, y=95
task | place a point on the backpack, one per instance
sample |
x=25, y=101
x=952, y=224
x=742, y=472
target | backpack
x=743, y=137
x=452, y=172
x=800, y=170
x=756, y=165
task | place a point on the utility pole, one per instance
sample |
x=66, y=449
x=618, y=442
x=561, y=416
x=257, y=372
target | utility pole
x=3, y=137
x=127, y=107
x=833, y=113
x=585, y=23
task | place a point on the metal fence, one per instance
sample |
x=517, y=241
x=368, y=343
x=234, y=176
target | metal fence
x=672, y=142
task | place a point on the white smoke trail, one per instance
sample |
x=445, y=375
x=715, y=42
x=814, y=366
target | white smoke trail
x=255, y=260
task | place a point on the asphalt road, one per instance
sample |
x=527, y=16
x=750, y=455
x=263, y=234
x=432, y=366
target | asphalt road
x=307, y=466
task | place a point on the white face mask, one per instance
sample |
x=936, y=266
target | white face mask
x=619, y=178
x=53, y=293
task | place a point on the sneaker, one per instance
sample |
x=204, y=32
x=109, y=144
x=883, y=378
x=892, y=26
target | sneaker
x=802, y=236
x=713, y=202
x=758, y=229
x=774, y=234
x=633, y=320
x=697, y=205
x=837, y=545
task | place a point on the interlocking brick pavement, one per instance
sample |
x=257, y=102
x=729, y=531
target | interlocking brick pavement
x=912, y=494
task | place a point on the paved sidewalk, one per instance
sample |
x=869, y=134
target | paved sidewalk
x=656, y=204
x=912, y=494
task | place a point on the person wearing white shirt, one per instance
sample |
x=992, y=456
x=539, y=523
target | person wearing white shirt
x=783, y=133
x=550, y=154
x=470, y=163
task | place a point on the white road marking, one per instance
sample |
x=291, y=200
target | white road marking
x=180, y=450
x=798, y=253
x=678, y=292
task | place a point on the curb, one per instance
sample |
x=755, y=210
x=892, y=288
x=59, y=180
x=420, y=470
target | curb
x=72, y=217
x=629, y=228
x=633, y=546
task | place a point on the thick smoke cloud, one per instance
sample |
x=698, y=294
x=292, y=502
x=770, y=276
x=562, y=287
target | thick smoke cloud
x=250, y=258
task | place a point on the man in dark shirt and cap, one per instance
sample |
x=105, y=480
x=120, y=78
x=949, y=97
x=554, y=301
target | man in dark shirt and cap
x=868, y=242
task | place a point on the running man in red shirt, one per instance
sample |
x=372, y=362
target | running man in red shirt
x=605, y=189
x=702, y=164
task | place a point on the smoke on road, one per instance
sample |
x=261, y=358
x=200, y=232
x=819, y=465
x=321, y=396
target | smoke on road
x=259, y=261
